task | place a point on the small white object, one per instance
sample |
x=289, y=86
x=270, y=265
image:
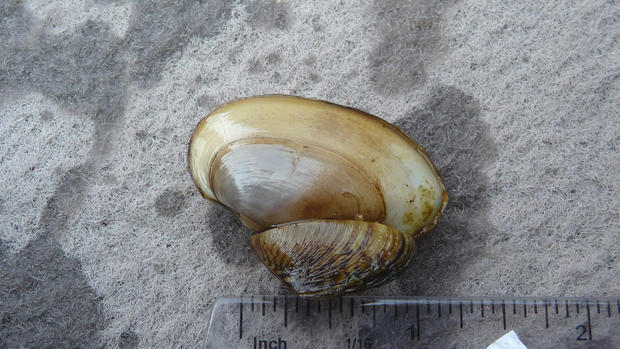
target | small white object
x=508, y=341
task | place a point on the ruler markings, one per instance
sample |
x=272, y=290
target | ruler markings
x=605, y=304
x=546, y=316
x=352, y=306
x=504, y=314
x=297, y=304
x=461, y=313
x=514, y=307
x=577, y=307
x=285, y=311
x=589, y=322
x=417, y=319
x=374, y=316
x=241, y=318
x=329, y=311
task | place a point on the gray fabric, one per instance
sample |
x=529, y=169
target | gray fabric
x=45, y=301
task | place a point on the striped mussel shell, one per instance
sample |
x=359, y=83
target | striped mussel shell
x=321, y=258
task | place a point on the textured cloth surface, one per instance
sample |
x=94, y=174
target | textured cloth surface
x=105, y=241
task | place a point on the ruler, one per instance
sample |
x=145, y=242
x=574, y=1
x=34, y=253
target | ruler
x=289, y=322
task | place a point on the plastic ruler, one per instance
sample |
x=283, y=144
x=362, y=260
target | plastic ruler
x=289, y=322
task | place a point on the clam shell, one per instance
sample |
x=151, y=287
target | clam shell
x=279, y=159
x=326, y=258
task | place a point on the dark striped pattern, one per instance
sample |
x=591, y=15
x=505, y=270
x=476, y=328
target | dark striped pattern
x=322, y=258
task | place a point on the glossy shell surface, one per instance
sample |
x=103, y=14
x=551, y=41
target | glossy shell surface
x=280, y=159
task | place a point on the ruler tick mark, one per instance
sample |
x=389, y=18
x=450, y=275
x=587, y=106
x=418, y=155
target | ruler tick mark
x=481, y=308
x=524, y=309
x=504, y=314
x=546, y=316
x=535, y=308
x=252, y=303
x=556, y=307
x=285, y=311
x=352, y=306
x=374, y=316
x=296, y=304
x=362, y=305
x=577, y=306
x=608, y=309
x=598, y=307
x=264, y=305
x=589, y=322
x=417, y=319
x=514, y=307
x=428, y=306
x=566, y=306
x=471, y=307
x=395, y=310
x=329, y=311
x=450, y=307
x=274, y=304
x=461, y=313
x=240, y=317
x=492, y=306
x=438, y=309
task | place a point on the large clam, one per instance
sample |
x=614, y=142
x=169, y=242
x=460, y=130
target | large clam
x=337, y=196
